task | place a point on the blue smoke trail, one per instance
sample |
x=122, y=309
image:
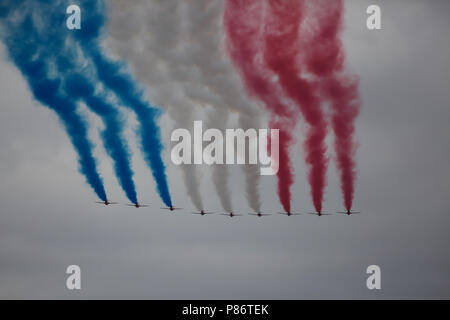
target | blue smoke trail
x=25, y=46
x=79, y=86
x=114, y=76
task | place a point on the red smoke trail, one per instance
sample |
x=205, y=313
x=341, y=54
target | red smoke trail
x=345, y=103
x=325, y=58
x=282, y=49
x=243, y=20
x=285, y=172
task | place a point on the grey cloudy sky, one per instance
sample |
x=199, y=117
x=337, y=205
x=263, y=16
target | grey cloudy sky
x=48, y=219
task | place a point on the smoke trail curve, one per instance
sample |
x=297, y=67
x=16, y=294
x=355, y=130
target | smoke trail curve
x=151, y=46
x=204, y=37
x=243, y=21
x=326, y=60
x=115, y=76
x=30, y=51
x=80, y=87
x=281, y=51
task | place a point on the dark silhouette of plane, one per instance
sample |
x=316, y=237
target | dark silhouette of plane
x=348, y=212
x=319, y=214
x=259, y=214
x=106, y=202
x=202, y=212
x=171, y=208
x=289, y=214
x=231, y=214
x=137, y=205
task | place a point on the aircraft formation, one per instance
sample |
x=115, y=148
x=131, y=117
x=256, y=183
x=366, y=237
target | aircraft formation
x=285, y=65
x=231, y=214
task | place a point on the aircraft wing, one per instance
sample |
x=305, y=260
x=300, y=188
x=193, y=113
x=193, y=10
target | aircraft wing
x=351, y=212
x=322, y=214
x=290, y=214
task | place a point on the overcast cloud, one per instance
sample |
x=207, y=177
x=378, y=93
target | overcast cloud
x=48, y=219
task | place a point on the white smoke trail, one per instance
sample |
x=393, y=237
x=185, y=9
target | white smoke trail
x=147, y=34
x=251, y=171
x=204, y=28
x=177, y=48
x=217, y=119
